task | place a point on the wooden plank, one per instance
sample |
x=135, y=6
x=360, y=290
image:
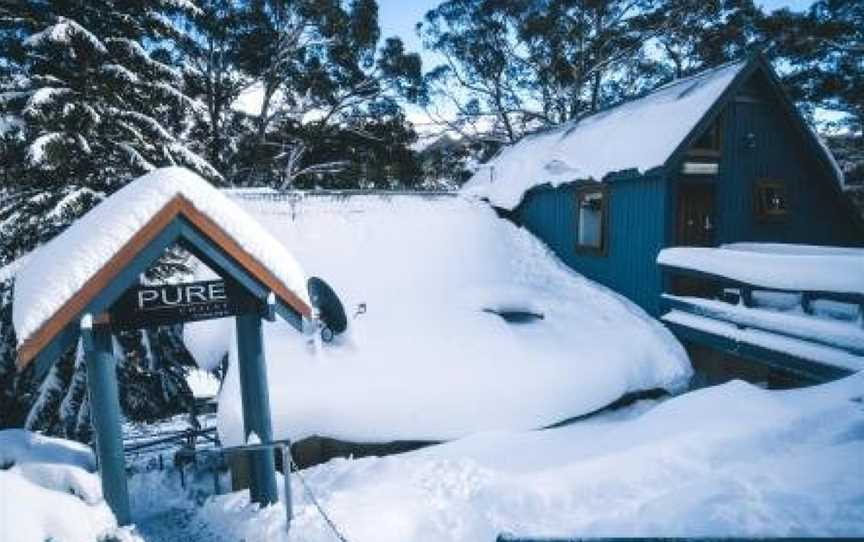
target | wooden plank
x=693, y=306
x=805, y=368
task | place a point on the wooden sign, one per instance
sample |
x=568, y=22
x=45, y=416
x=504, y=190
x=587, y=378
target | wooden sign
x=148, y=306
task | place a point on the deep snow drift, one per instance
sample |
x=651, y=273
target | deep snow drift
x=48, y=491
x=426, y=361
x=731, y=460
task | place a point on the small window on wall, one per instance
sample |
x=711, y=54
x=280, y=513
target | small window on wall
x=708, y=144
x=591, y=220
x=772, y=200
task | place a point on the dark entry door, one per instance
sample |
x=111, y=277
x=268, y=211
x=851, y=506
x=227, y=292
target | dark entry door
x=696, y=214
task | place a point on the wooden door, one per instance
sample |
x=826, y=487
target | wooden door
x=696, y=214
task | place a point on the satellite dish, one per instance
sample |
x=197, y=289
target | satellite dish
x=330, y=310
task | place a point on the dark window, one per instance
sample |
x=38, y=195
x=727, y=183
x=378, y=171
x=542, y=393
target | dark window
x=708, y=144
x=772, y=200
x=591, y=206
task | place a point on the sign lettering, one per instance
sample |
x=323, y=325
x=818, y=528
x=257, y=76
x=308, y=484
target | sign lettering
x=147, y=306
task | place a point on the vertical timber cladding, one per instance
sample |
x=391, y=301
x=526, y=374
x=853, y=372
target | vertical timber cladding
x=164, y=304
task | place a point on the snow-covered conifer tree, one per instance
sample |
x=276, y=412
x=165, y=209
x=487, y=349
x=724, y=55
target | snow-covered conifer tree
x=95, y=102
x=95, y=96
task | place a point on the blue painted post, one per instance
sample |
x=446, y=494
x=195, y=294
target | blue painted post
x=105, y=412
x=255, y=399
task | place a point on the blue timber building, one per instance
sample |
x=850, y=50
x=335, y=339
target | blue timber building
x=720, y=157
x=749, y=169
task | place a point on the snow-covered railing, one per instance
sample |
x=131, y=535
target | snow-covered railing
x=734, y=272
x=794, y=306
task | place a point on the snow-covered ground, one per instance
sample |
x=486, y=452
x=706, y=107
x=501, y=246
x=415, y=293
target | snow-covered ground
x=730, y=460
x=48, y=491
x=428, y=360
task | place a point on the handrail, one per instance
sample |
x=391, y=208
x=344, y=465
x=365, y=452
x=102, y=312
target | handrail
x=692, y=306
x=746, y=290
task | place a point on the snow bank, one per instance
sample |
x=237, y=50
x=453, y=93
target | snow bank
x=21, y=446
x=49, y=491
x=581, y=150
x=58, y=270
x=731, y=461
x=426, y=361
x=785, y=267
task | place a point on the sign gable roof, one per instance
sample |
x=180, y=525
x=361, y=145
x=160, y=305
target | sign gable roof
x=85, y=268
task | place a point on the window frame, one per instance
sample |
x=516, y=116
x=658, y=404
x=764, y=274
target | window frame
x=760, y=210
x=708, y=152
x=603, y=190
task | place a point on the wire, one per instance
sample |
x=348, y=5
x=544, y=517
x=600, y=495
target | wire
x=312, y=499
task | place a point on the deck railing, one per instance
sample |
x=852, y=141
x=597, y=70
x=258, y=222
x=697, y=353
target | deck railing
x=703, y=307
x=736, y=291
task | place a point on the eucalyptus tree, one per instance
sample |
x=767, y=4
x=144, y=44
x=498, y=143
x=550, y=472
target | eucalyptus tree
x=316, y=64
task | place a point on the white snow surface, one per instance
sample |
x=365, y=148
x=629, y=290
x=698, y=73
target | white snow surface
x=732, y=460
x=426, y=361
x=640, y=134
x=785, y=267
x=49, y=492
x=203, y=384
x=795, y=249
x=58, y=269
x=18, y=446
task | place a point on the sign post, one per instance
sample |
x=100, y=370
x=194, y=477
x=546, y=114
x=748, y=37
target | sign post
x=255, y=398
x=105, y=412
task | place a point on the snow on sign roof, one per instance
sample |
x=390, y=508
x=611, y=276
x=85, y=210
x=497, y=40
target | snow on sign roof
x=639, y=134
x=56, y=283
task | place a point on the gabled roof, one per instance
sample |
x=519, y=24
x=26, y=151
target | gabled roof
x=639, y=135
x=88, y=266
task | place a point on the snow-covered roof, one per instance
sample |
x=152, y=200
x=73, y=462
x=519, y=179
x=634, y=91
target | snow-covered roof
x=640, y=134
x=430, y=358
x=54, y=277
